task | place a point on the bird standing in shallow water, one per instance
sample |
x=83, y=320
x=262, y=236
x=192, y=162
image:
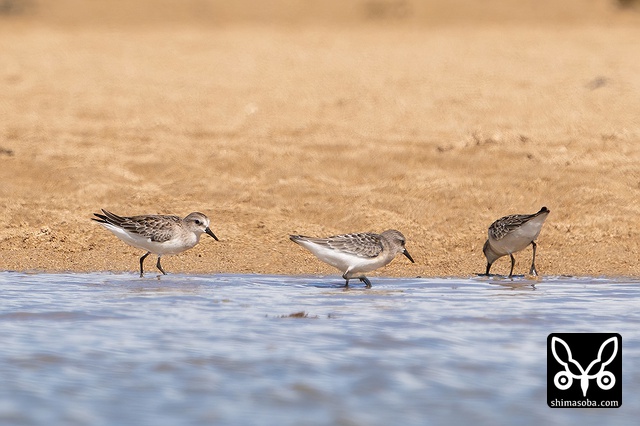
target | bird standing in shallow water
x=511, y=234
x=157, y=234
x=355, y=254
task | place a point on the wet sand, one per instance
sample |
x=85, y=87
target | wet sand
x=432, y=129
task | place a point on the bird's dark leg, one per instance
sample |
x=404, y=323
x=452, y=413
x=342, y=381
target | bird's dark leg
x=513, y=262
x=366, y=281
x=347, y=279
x=159, y=266
x=533, y=271
x=142, y=261
x=488, y=268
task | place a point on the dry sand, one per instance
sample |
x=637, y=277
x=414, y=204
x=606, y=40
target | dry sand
x=272, y=128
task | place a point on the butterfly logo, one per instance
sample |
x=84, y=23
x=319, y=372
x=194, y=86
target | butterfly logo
x=564, y=379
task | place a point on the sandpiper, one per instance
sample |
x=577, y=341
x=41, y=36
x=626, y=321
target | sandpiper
x=355, y=254
x=511, y=234
x=157, y=234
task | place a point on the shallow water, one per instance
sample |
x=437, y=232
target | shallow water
x=113, y=349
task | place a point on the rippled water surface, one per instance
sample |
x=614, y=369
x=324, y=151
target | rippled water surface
x=105, y=349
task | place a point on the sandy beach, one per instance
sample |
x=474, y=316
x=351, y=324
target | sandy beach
x=392, y=115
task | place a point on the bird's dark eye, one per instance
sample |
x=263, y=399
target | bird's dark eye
x=198, y=222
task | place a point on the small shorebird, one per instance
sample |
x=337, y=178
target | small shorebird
x=511, y=234
x=157, y=234
x=354, y=254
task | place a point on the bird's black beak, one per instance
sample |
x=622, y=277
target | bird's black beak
x=406, y=253
x=209, y=232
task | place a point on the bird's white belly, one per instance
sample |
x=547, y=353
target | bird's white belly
x=171, y=247
x=345, y=261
